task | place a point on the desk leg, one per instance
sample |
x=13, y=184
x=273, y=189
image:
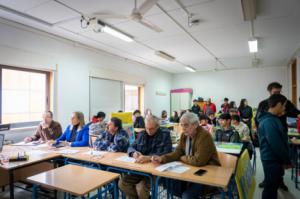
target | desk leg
x=34, y=191
x=11, y=184
x=223, y=195
x=297, y=166
x=116, y=195
x=156, y=187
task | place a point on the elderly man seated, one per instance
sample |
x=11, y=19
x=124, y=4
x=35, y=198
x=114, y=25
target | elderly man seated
x=153, y=141
x=196, y=148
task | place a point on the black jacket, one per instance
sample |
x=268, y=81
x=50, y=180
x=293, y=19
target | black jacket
x=196, y=109
x=246, y=112
x=139, y=122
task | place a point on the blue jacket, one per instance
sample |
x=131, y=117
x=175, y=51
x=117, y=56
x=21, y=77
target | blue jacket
x=82, y=137
x=117, y=143
x=273, y=139
x=160, y=143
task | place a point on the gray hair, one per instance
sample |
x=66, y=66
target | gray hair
x=192, y=118
x=152, y=118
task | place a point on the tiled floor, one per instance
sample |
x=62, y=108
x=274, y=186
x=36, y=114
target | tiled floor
x=293, y=193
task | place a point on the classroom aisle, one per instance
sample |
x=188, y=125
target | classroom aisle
x=293, y=193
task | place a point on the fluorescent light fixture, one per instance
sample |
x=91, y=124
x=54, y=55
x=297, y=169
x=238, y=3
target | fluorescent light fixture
x=191, y=69
x=252, y=45
x=165, y=55
x=114, y=32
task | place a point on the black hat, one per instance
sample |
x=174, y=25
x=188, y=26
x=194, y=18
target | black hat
x=200, y=99
x=225, y=116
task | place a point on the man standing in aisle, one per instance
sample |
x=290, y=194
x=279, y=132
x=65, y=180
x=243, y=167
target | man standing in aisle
x=274, y=147
x=290, y=111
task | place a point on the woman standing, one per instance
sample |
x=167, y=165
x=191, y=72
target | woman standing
x=246, y=113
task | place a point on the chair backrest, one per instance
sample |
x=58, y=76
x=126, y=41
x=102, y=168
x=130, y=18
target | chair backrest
x=244, y=177
x=227, y=160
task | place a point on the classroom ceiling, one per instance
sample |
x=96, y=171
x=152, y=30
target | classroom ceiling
x=218, y=42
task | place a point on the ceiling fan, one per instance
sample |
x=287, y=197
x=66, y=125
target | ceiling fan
x=136, y=15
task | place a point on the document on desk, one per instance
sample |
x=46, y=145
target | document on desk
x=37, y=152
x=126, y=159
x=34, y=143
x=176, y=167
x=68, y=151
x=96, y=153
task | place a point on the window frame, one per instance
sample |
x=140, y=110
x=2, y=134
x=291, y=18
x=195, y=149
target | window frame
x=140, y=97
x=47, y=94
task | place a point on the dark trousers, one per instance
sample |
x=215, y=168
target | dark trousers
x=186, y=190
x=273, y=177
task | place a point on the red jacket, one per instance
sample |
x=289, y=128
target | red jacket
x=212, y=108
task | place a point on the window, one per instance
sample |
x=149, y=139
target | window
x=24, y=95
x=133, y=98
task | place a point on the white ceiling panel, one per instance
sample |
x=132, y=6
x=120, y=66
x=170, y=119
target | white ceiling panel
x=52, y=12
x=221, y=30
x=22, y=5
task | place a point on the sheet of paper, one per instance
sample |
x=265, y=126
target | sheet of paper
x=179, y=169
x=126, y=159
x=34, y=143
x=24, y=144
x=68, y=151
x=168, y=166
x=96, y=153
x=37, y=152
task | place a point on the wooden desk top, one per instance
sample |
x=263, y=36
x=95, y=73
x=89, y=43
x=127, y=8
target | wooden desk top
x=293, y=134
x=295, y=141
x=215, y=176
x=228, y=161
x=74, y=179
x=35, y=155
x=109, y=159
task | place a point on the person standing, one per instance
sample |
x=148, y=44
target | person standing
x=290, y=111
x=274, y=147
x=246, y=113
x=196, y=108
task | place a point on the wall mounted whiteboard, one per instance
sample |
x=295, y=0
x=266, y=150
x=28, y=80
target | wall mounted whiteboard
x=105, y=95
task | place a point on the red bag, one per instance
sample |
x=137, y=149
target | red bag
x=298, y=125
